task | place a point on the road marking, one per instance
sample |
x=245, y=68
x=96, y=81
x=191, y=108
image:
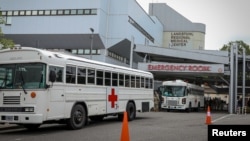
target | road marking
x=222, y=118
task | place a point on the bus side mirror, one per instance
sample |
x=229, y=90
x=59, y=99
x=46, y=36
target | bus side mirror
x=52, y=76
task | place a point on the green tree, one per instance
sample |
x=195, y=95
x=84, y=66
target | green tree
x=241, y=45
x=4, y=42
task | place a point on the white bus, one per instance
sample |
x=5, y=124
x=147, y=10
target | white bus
x=40, y=86
x=180, y=95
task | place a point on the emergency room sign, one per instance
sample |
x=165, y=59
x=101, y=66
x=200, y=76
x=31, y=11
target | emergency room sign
x=182, y=67
x=112, y=99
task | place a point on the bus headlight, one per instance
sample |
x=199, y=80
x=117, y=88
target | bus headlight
x=28, y=109
x=183, y=101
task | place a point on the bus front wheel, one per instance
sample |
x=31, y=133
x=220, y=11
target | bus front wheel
x=78, y=117
x=189, y=109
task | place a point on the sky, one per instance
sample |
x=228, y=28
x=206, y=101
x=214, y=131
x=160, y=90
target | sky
x=225, y=20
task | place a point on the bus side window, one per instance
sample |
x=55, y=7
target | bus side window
x=58, y=71
x=137, y=84
x=107, y=78
x=127, y=80
x=142, y=82
x=121, y=79
x=146, y=83
x=71, y=74
x=132, y=81
x=188, y=91
x=81, y=76
x=99, y=77
x=114, y=79
x=91, y=76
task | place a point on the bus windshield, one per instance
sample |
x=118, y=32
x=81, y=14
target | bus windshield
x=22, y=76
x=173, y=91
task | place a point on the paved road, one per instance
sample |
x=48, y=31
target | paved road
x=152, y=126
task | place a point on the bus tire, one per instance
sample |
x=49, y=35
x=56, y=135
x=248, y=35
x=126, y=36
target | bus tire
x=189, y=109
x=131, y=112
x=198, y=107
x=78, y=117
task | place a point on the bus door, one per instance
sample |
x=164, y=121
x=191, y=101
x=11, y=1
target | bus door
x=56, y=103
x=56, y=93
x=112, y=100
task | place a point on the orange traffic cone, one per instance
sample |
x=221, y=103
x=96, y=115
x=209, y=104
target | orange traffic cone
x=208, y=117
x=125, y=130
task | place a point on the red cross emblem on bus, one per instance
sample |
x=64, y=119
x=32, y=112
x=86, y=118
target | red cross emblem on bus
x=112, y=98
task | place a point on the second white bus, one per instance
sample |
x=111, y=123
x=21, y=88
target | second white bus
x=180, y=95
x=39, y=86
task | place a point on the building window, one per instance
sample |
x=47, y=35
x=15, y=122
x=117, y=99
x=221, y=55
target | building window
x=74, y=51
x=117, y=57
x=8, y=20
x=15, y=13
x=4, y=13
x=53, y=12
x=66, y=12
x=80, y=12
x=73, y=12
x=87, y=12
x=40, y=12
x=59, y=12
x=47, y=12
x=87, y=51
x=50, y=12
x=28, y=12
x=9, y=13
x=22, y=13
x=93, y=12
x=34, y=12
x=80, y=51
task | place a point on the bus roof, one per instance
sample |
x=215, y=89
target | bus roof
x=180, y=83
x=72, y=57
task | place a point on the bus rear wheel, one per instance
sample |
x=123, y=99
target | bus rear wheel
x=78, y=117
x=131, y=111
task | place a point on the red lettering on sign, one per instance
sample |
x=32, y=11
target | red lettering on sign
x=172, y=67
x=112, y=98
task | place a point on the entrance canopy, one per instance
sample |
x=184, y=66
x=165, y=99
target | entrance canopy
x=192, y=65
x=161, y=54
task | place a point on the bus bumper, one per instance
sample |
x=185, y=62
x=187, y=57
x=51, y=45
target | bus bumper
x=21, y=118
x=181, y=107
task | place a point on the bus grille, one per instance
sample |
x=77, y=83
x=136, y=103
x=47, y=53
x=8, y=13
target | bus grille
x=11, y=100
x=171, y=102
